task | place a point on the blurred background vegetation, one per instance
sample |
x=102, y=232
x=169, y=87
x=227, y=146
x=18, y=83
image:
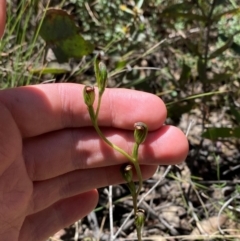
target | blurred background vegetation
x=187, y=52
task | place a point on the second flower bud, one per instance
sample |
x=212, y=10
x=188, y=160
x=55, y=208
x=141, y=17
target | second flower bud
x=89, y=95
x=140, y=132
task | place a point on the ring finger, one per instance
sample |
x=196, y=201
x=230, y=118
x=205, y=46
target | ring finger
x=45, y=193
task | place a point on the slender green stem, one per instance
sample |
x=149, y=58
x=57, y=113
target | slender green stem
x=98, y=106
x=139, y=233
x=134, y=197
x=94, y=121
x=91, y=113
x=137, y=167
x=139, y=174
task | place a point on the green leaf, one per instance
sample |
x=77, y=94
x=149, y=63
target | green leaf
x=186, y=72
x=61, y=34
x=220, y=50
x=193, y=47
x=221, y=132
x=178, y=109
x=228, y=12
x=188, y=16
x=51, y=68
x=182, y=10
x=220, y=2
x=139, y=84
x=121, y=64
x=185, y=6
x=48, y=70
x=235, y=113
x=235, y=47
x=75, y=46
x=139, y=4
x=57, y=25
x=201, y=70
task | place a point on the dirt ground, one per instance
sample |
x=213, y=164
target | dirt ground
x=191, y=203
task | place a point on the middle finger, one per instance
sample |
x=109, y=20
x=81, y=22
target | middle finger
x=60, y=152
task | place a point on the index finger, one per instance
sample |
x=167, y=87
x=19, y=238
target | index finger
x=44, y=108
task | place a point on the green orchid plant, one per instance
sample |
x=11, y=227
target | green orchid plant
x=140, y=134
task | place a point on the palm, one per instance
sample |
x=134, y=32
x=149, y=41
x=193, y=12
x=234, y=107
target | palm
x=15, y=184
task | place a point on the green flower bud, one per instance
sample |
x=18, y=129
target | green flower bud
x=140, y=218
x=140, y=132
x=96, y=68
x=89, y=95
x=126, y=171
x=103, y=75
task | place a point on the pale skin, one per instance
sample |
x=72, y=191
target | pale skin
x=52, y=161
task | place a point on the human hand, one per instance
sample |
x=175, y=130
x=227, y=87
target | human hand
x=51, y=159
